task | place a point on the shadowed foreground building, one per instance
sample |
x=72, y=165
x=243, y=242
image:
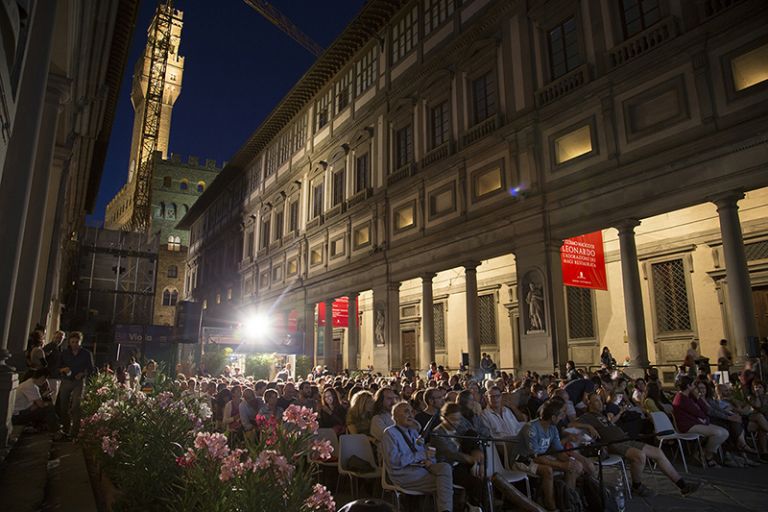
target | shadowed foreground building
x=433, y=160
x=61, y=66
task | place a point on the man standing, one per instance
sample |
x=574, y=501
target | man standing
x=76, y=366
x=432, y=372
x=53, y=351
x=407, y=372
x=408, y=463
x=134, y=372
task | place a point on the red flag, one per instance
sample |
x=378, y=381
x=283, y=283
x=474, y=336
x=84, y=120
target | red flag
x=583, y=261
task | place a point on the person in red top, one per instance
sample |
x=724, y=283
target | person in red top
x=690, y=412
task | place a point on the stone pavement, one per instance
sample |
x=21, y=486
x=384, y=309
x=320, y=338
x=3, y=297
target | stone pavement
x=723, y=490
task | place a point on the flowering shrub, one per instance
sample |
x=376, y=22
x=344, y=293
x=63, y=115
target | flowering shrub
x=160, y=452
x=273, y=473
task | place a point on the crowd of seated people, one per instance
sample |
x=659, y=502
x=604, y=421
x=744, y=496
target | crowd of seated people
x=427, y=430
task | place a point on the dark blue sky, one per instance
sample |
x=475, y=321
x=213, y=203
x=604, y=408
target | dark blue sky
x=237, y=67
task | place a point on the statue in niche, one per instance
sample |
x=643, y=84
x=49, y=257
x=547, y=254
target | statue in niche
x=379, y=328
x=535, y=300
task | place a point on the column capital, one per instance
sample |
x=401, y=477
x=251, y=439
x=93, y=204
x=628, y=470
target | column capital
x=427, y=276
x=725, y=200
x=471, y=266
x=627, y=226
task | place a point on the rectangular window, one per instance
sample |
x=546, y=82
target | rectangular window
x=405, y=34
x=322, y=110
x=366, y=70
x=337, y=247
x=361, y=236
x=404, y=146
x=439, y=117
x=405, y=217
x=563, y=48
x=317, y=200
x=249, y=244
x=293, y=217
x=438, y=317
x=750, y=68
x=339, y=182
x=272, y=160
x=486, y=316
x=638, y=15
x=670, y=296
x=436, y=12
x=264, y=234
x=573, y=144
x=362, y=173
x=279, y=216
x=344, y=90
x=581, y=321
x=483, y=97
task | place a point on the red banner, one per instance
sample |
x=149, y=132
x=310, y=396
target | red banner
x=583, y=261
x=339, y=313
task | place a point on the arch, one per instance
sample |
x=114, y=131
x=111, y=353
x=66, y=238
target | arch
x=184, y=185
x=200, y=187
x=170, y=211
x=170, y=296
x=174, y=243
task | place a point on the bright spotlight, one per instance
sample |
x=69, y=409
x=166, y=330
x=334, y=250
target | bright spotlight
x=256, y=326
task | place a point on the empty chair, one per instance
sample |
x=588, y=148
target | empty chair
x=615, y=460
x=494, y=466
x=665, y=431
x=356, y=445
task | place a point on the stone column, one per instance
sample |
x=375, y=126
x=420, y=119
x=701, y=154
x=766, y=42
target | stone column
x=473, y=334
x=15, y=186
x=353, y=334
x=741, y=308
x=427, y=349
x=309, y=333
x=26, y=280
x=633, y=296
x=386, y=327
x=329, y=354
x=18, y=168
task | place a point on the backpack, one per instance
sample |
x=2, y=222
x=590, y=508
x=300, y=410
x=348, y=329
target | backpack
x=590, y=487
x=567, y=499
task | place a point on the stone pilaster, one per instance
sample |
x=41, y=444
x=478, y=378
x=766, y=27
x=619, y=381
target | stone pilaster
x=427, y=348
x=473, y=333
x=353, y=334
x=386, y=327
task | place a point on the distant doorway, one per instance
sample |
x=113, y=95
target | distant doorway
x=760, y=299
x=409, y=353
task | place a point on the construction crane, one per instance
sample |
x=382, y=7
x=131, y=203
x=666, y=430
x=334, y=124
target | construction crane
x=282, y=22
x=159, y=47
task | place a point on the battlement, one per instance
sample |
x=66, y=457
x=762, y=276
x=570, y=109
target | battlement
x=192, y=161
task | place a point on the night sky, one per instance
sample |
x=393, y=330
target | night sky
x=237, y=67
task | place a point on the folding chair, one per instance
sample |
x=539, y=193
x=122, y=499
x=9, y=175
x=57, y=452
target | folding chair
x=494, y=466
x=360, y=446
x=388, y=485
x=665, y=431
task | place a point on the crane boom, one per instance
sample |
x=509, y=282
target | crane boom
x=282, y=22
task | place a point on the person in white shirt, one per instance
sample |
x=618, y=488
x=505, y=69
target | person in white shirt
x=382, y=417
x=30, y=408
x=500, y=420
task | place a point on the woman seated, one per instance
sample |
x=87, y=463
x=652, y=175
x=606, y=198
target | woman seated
x=655, y=400
x=270, y=409
x=360, y=413
x=332, y=413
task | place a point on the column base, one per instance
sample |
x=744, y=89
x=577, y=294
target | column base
x=9, y=381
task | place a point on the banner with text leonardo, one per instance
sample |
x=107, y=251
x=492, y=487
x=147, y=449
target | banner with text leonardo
x=583, y=261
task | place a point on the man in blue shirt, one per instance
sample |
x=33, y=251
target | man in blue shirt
x=542, y=440
x=408, y=463
x=76, y=366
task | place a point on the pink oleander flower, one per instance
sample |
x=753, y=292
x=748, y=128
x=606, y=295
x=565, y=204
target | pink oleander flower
x=302, y=417
x=215, y=443
x=102, y=391
x=109, y=444
x=164, y=399
x=270, y=458
x=233, y=465
x=188, y=459
x=320, y=499
x=321, y=449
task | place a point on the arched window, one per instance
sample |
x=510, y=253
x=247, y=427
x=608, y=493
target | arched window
x=170, y=212
x=174, y=243
x=167, y=182
x=200, y=187
x=173, y=271
x=156, y=212
x=184, y=184
x=170, y=296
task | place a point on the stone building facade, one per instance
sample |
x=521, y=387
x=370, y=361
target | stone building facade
x=433, y=160
x=176, y=185
x=61, y=64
